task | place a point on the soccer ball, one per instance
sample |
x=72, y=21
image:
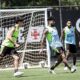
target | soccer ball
x=25, y=65
x=42, y=64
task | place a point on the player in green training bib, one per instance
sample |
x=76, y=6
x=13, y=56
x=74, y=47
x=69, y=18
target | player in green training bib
x=10, y=43
x=55, y=44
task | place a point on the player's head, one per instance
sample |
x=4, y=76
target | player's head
x=69, y=23
x=51, y=21
x=19, y=21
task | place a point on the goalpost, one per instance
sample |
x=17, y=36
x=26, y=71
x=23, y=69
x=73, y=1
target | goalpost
x=28, y=52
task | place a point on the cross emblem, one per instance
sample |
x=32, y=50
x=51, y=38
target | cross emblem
x=35, y=34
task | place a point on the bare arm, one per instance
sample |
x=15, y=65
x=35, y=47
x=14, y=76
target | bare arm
x=9, y=36
x=43, y=38
x=62, y=36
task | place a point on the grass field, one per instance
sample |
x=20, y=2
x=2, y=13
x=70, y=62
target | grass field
x=42, y=74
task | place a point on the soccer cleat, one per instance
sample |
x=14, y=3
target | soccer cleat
x=52, y=72
x=73, y=69
x=65, y=68
x=18, y=73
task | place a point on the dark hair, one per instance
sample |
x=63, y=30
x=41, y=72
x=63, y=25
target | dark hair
x=18, y=19
x=51, y=18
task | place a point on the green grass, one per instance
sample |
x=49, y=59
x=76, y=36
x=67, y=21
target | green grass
x=42, y=74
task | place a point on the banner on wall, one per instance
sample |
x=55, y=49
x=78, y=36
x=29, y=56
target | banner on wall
x=35, y=34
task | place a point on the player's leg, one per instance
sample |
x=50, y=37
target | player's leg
x=60, y=58
x=74, y=59
x=57, y=62
x=1, y=58
x=65, y=60
x=73, y=51
x=3, y=52
x=67, y=50
x=67, y=53
x=16, y=63
x=74, y=63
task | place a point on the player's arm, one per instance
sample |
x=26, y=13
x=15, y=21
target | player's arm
x=43, y=39
x=9, y=36
x=62, y=35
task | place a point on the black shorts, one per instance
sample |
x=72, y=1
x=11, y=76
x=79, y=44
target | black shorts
x=71, y=47
x=58, y=50
x=8, y=51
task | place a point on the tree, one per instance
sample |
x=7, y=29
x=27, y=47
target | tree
x=70, y=2
x=11, y=3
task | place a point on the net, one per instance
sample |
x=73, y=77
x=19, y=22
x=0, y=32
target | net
x=28, y=52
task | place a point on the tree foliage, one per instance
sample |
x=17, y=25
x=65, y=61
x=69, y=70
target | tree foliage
x=70, y=2
x=12, y=3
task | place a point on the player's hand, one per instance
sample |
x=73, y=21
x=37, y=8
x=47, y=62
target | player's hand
x=17, y=45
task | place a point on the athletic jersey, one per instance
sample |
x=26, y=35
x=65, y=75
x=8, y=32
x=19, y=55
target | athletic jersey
x=69, y=35
x=53, y=37
x=7, y=42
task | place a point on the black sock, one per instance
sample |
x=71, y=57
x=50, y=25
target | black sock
x=54, y=66
x=74, y=60
x=57, y=63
